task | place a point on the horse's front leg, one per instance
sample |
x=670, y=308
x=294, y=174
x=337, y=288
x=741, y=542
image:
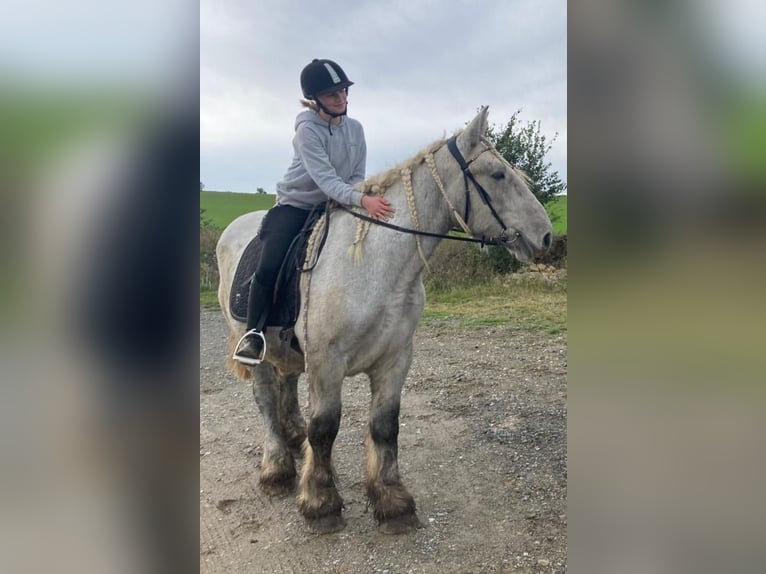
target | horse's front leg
x=393, y=505
x=318, y=498
x=278, y=465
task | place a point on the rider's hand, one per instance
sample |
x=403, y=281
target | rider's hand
x=377, y=207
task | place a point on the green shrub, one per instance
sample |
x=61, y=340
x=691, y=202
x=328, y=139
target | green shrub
x=208, y=264
x=459, y=265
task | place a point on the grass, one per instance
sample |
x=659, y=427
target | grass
x=223, y=207
x=538, y=306
x=535, y=306
x=557, y=211
x=208, y=299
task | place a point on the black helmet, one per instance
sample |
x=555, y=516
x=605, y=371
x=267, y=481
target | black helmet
x=321, y=77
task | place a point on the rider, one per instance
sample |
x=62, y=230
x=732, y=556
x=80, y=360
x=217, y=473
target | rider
x=330, y=156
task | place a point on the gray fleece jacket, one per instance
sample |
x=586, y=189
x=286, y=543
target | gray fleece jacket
x=324, y=164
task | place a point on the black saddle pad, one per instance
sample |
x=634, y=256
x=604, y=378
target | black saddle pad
x=286, y=304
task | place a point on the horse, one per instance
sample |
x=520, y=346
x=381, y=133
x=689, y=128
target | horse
x=360, y=306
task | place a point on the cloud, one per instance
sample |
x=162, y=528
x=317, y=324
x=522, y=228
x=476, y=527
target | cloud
x=420, y=72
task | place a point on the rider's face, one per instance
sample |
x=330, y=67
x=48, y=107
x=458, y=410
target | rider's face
x=334, y=101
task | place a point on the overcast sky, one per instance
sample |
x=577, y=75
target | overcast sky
x=421, y=70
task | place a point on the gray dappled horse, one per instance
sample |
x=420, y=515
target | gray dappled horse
x=360, y=306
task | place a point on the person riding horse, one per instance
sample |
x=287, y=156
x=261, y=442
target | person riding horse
x=330, y=158
x=366, y=300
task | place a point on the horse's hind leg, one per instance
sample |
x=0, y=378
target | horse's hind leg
x=293, y=425
x=278, y=465
x=393, y=505
x=318, y=498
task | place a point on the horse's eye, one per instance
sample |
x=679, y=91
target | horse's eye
x=498, y=175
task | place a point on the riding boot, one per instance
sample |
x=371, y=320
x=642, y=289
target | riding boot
x=251, y=348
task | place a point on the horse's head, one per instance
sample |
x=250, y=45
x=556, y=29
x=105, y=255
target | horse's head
x=501, y=202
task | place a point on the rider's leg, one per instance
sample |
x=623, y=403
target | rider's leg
x=280, y=226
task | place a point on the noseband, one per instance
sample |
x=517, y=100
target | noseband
x=467, y=175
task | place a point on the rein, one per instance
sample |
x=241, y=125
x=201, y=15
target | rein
x=483, y=240
x=502, y=239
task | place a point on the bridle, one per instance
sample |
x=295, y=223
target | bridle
x=467, y=175
x=502, y=239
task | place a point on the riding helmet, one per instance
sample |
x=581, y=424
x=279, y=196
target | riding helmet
x=321, y=77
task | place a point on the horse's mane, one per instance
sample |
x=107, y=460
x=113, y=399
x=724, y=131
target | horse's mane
x=383, y=180
x=387, y=178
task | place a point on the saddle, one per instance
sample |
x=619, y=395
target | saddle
x=286, y=302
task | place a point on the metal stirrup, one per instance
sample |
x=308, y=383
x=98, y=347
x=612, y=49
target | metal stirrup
x=249, y=360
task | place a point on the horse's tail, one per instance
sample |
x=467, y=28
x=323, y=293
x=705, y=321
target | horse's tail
x=235, y=367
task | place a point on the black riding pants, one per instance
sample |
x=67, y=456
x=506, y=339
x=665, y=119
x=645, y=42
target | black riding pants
x=280, y=226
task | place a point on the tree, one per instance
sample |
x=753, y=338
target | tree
x=201, y=186
x=260, y=191
x=525, y=147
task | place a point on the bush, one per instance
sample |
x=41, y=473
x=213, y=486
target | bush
x=208, y=264
x=457, y=265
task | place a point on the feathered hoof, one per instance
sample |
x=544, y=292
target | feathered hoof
x=400, y=524
x=277, y=484
x=326, y=524
x=278, y=489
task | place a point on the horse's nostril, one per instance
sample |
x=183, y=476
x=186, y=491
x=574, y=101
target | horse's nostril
x=547, y=241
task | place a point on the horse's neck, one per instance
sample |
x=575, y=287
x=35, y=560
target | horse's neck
x=432, y=192
x=423, y=207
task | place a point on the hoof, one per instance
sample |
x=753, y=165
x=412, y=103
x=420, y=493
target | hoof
x=277, y=485
x=277, y=489
x=326, y=524
x=400, y=524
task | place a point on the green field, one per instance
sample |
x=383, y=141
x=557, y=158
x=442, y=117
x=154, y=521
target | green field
x=557, y=211
x=224, y=207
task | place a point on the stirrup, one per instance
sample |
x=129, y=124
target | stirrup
x=250, y=360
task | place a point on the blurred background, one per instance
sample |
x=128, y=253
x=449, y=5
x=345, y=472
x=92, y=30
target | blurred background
x=99, y=156
x=667, y=166
x=99, y=145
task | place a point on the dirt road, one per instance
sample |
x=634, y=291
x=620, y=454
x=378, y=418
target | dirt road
x=482, y=448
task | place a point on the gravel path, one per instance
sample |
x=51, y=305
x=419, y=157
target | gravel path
x=482, y=450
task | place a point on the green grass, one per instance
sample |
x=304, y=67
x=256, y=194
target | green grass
x=208, y=299
x=538, y=306
x=557, y=211
x=222, y=207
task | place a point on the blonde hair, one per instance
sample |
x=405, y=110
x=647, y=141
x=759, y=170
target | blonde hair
x=310, y=104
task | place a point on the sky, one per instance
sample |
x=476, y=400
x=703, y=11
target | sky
x=421, y=70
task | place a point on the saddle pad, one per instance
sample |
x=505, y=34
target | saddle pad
x=240, y=287
x=284, y=310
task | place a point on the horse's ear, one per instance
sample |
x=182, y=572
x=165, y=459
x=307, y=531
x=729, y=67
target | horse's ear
x=473, y=133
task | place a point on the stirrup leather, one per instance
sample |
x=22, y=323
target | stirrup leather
x=250, y=360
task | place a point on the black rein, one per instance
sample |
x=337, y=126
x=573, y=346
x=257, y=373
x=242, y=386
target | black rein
x=484, y=241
